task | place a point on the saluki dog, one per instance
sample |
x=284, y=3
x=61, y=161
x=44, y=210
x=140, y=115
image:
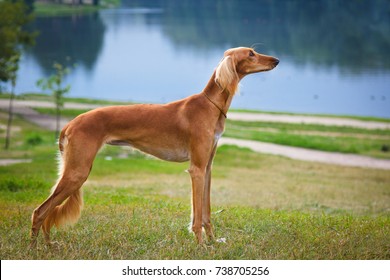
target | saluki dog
x=184, y=130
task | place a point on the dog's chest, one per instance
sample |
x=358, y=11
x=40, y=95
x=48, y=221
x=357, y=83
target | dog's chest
x=217, y=136
x=219, y=130
x=166, y=151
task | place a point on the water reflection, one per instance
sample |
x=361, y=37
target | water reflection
x=352, y=35
x=334, y=54
x=68, y=40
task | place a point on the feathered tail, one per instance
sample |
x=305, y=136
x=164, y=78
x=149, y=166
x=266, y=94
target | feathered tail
x=67, y=213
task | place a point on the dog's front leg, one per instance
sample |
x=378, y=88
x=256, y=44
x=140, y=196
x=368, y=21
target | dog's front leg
x=198, y=179
x=206, y=215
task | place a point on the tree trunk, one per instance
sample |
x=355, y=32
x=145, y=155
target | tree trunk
x=10, y=117
x=58, y=120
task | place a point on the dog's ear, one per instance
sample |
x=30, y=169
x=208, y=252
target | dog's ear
x=226, y=76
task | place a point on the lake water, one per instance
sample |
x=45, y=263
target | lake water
x=334, y=55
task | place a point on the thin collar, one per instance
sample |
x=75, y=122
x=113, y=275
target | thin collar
x=215, y=104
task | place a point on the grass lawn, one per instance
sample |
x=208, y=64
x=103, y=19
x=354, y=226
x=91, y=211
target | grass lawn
x=137, y=207
x=55, y=9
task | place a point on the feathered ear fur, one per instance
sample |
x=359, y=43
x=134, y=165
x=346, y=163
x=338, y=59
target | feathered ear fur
x=226, y=76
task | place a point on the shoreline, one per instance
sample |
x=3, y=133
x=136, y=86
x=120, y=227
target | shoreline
x=238, y=115
x=45, y=101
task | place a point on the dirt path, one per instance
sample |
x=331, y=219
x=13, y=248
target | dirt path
x=309, y=155
x=24, y=108
x=4, y=162
x=308, y=120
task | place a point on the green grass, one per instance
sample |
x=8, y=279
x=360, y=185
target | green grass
x=137, y=207
x=155, y=228
x=139, y=212
x=65, y=113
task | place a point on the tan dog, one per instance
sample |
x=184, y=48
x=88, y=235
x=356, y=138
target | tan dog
x=183, y=130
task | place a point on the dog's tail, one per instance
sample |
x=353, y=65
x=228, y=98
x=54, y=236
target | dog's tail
x=69, y=211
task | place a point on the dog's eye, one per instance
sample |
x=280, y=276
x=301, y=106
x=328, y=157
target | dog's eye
x=251, y=53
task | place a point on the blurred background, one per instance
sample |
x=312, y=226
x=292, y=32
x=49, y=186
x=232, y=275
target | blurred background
x=334, y=55
x=316, y=187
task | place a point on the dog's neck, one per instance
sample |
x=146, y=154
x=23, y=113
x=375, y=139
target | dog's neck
x=221, y=98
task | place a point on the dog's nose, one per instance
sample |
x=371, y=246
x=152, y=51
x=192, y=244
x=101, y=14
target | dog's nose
x=276, y=62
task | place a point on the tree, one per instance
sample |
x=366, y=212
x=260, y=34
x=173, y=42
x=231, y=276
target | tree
x=12, y=69
x=54, y=83
x=14, y=15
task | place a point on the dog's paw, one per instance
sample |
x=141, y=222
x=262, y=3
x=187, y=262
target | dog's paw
x=221, y=240
x=53, y=244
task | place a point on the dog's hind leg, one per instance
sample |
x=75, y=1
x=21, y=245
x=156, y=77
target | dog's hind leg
x=64, y=204
x=53, y=210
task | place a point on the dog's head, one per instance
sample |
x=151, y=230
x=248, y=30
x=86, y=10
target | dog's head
x=239, y=62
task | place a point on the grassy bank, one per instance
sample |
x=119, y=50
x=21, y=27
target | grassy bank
x=49, y=98
x=46, y=97
x=54, y=9
x=137, y=207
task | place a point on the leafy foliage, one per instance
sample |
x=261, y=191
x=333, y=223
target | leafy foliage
x=54, y=83
x=13, y=17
